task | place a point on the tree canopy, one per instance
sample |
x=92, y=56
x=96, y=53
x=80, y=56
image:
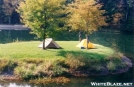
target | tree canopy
x=119, y=13
x=42, y=16
x=85, y=15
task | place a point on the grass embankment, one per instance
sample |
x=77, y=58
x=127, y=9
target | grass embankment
x=25, y=60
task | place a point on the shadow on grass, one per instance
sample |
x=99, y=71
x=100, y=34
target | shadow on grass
x=81, y=54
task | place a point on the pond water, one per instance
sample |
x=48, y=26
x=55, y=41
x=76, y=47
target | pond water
x=123, y=78
x=7, y=36
x=14, y=84
x=123, y=42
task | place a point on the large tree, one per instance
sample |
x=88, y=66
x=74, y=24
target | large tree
x=85, y=15
x=42, y=16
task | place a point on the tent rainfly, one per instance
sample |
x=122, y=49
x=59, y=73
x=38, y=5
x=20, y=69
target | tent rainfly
x=49, y=43
x=83, y=43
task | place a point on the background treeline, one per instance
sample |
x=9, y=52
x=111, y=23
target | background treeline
x=119, y=13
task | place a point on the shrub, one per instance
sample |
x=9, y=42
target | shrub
x=111, y=66
x=74, y=62
x=3, y=64
x=7, y=65
x=30, y=68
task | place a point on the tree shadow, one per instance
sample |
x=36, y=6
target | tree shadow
x=82, y=54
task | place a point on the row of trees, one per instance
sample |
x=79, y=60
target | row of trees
x=119, y=13
x=45, y=16
x=48, y=17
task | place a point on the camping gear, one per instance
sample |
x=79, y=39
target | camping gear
x=49, y=43
x=84, y=43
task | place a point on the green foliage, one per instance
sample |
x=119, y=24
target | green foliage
x=85, y=15
x=73, y=62
x=7, y=65
x=35, y=61
x=119, y=14
x=30, y=68
x=3, y=64
x=58, y=69
x=42, y=16
x=111, y=66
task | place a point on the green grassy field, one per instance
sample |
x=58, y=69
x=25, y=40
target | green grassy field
x=30, y=50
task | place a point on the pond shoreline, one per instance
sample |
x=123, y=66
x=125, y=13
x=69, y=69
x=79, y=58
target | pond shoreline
x=76, y=73
x=105, y=70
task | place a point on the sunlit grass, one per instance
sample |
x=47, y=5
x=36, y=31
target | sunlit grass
x=30, y=50
x=25, y=50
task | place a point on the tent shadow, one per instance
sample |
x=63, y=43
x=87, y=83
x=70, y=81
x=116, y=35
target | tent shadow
x=53, y=49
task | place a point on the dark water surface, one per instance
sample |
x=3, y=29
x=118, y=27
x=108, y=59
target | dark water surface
x=123, y=42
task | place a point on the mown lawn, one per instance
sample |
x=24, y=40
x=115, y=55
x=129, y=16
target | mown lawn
x=30, y=49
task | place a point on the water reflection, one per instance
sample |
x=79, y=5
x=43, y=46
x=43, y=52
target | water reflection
x=119, y=41
x=7, y=36
x=14, y=84
x=78, y=82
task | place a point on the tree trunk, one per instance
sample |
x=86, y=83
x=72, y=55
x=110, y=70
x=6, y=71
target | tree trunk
x=44, y=37
x=87, y=35
x=87, y=41
x=43, y=44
